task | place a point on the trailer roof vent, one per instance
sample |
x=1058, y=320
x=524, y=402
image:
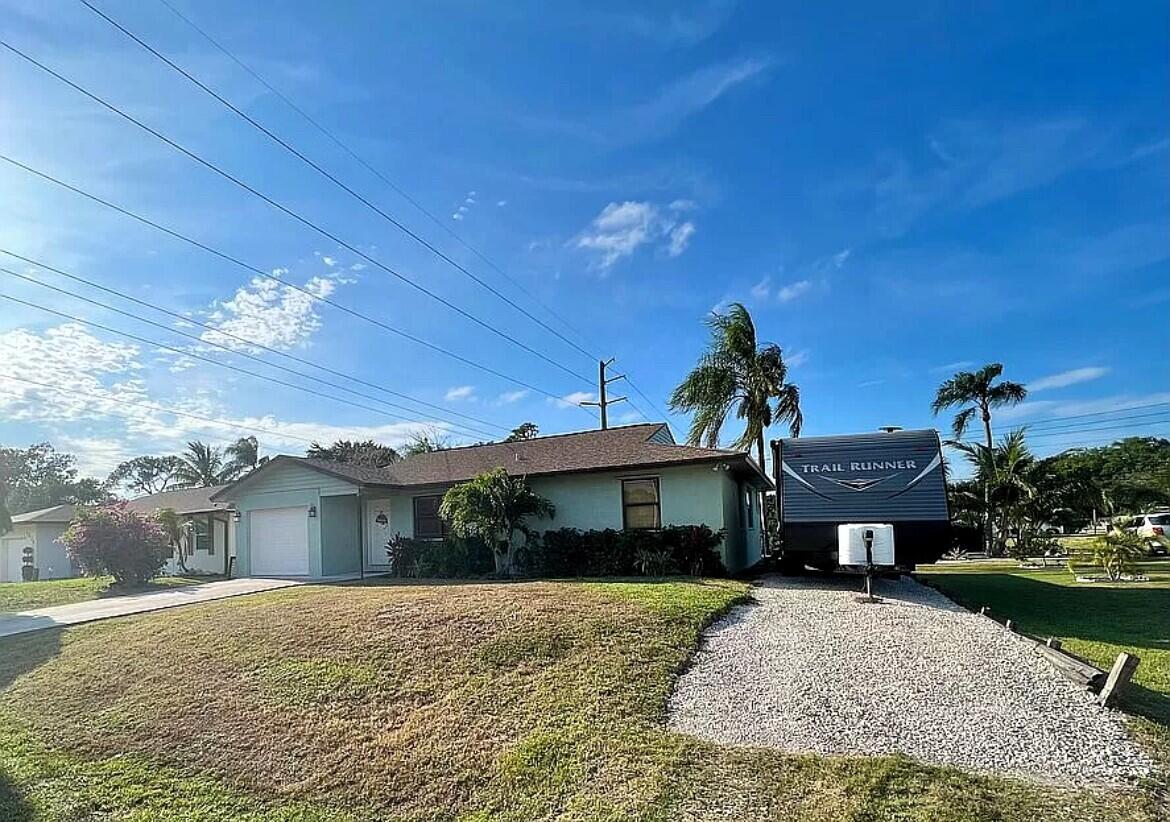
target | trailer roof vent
x=889, y=429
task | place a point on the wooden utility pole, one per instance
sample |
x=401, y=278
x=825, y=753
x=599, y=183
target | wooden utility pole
x=602, y=383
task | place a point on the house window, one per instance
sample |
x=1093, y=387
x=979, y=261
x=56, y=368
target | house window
x=427, y=523
x=750, y=508
x=641, y=505
x=203, y=540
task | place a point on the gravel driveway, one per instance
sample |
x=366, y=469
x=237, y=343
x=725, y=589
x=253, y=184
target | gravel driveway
x=809, y=669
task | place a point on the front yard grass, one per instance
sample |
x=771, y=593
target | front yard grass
x=387, y=700
x=25, y=596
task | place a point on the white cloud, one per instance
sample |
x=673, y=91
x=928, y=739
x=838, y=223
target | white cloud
x=760, y=290
x=790, y=292
x=680, y=237
x=1067, y=378
x=576, y=398
x=509, y=397
x=952, y=367
x=683, y=205
x=456, y=216
x=329, y=261
x=501, y=203
x=841, y=257
x=797, y=358
x=622, y=228
x=870, y=383
x=269, y=314
x=461, y=392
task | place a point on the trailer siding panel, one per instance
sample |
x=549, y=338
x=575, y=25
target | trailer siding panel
x=880, y=477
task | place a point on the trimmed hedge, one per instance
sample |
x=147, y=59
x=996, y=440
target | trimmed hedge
x=450, y=558
x=567, y=552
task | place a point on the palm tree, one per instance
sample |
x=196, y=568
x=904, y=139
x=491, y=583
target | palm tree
x=202, y=466
x=1007, y=473
x=976, y=392
x=979, y=393
x=243, y=456
x=736, y=371
x=178, y=532
x=493, y=507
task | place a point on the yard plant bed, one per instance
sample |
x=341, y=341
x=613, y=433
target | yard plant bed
x=420, y=701
x=26, y=596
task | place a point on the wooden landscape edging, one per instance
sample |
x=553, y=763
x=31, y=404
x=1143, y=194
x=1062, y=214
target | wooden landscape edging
x=1108, y=687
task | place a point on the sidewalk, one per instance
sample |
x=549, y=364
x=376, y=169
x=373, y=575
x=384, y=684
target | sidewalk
x=58, y=616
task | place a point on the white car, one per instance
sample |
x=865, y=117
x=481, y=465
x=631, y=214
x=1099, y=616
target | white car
x=1156, y=527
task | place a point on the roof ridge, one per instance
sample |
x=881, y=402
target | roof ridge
x=502, y=443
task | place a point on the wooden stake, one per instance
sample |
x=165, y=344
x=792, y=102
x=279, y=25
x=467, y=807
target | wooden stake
x=1119, y=676
x=1053, y=643
x=1008, y=625
x=984, y=611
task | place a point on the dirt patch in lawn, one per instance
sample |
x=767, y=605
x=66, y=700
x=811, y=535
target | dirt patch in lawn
x=487, y=701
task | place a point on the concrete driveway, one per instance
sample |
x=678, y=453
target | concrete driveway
x=24, y=622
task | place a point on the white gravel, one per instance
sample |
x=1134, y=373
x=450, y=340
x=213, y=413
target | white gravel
x=808, y=668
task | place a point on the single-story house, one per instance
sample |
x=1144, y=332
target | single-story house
x=40, y=531
x=305, y=517
x=211, y=539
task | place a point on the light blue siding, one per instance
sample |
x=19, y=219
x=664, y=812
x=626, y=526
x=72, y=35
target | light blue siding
x=340, y=535
x=286, y=486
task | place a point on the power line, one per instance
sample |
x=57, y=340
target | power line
x=153, y=407
x=193, y=355
x=1082, y=430
x=186, y=319
x=1127, y=408
x=373, y=170
x=365, y=164
x=267, y=275
x=329, y=176
x=465, y=428
x=293, y=214
x=1122, y=418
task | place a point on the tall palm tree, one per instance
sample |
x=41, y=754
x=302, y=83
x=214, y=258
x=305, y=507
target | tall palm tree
x=977, y=392
x=203, y=465
x=737, y=372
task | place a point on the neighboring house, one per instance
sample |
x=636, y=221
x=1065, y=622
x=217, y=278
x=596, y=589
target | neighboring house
x=315, y=518
x=210, y=542
x=39, y=529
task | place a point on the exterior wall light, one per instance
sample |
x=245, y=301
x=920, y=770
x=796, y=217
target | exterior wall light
x=382, y=519
x=312, y=512
x=237, y=515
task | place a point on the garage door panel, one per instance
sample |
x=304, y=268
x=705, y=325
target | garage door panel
x=278, y=540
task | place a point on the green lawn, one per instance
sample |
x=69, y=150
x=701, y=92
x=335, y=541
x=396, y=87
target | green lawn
x=24, y=596
x=1093, y=620
x=482, y=701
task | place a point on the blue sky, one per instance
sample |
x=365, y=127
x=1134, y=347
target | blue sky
x=893, y=195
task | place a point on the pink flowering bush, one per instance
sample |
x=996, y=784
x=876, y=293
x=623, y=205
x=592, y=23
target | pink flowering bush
x=116, y=541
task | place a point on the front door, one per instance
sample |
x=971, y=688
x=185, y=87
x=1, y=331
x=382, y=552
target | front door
x=12, y=557
x=377, y=531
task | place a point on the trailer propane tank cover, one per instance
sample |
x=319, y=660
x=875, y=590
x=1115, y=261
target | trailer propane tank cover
x=852, y=539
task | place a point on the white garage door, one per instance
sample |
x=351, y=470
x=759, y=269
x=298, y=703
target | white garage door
x=278, y=539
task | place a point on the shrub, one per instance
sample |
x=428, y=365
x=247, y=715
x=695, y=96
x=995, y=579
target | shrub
x=568, y=552
x=1115, y=553
x=450, y=558
x=116, y=541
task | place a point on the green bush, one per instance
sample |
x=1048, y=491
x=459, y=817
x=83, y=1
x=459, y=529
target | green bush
x=569, y=552
x=449, y=558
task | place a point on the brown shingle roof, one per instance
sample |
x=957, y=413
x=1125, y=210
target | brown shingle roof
x=182, y=500
x=631, y=446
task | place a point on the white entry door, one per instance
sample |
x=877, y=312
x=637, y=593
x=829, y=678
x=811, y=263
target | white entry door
x=377, y=531
x=11, y=558
x=278, y=542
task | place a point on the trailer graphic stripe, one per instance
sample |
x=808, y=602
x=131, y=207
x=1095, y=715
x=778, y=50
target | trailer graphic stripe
x=788, y=470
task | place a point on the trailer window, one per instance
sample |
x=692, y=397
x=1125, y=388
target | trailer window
x=641, y=505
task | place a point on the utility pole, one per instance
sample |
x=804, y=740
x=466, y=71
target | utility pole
x=602, y=383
